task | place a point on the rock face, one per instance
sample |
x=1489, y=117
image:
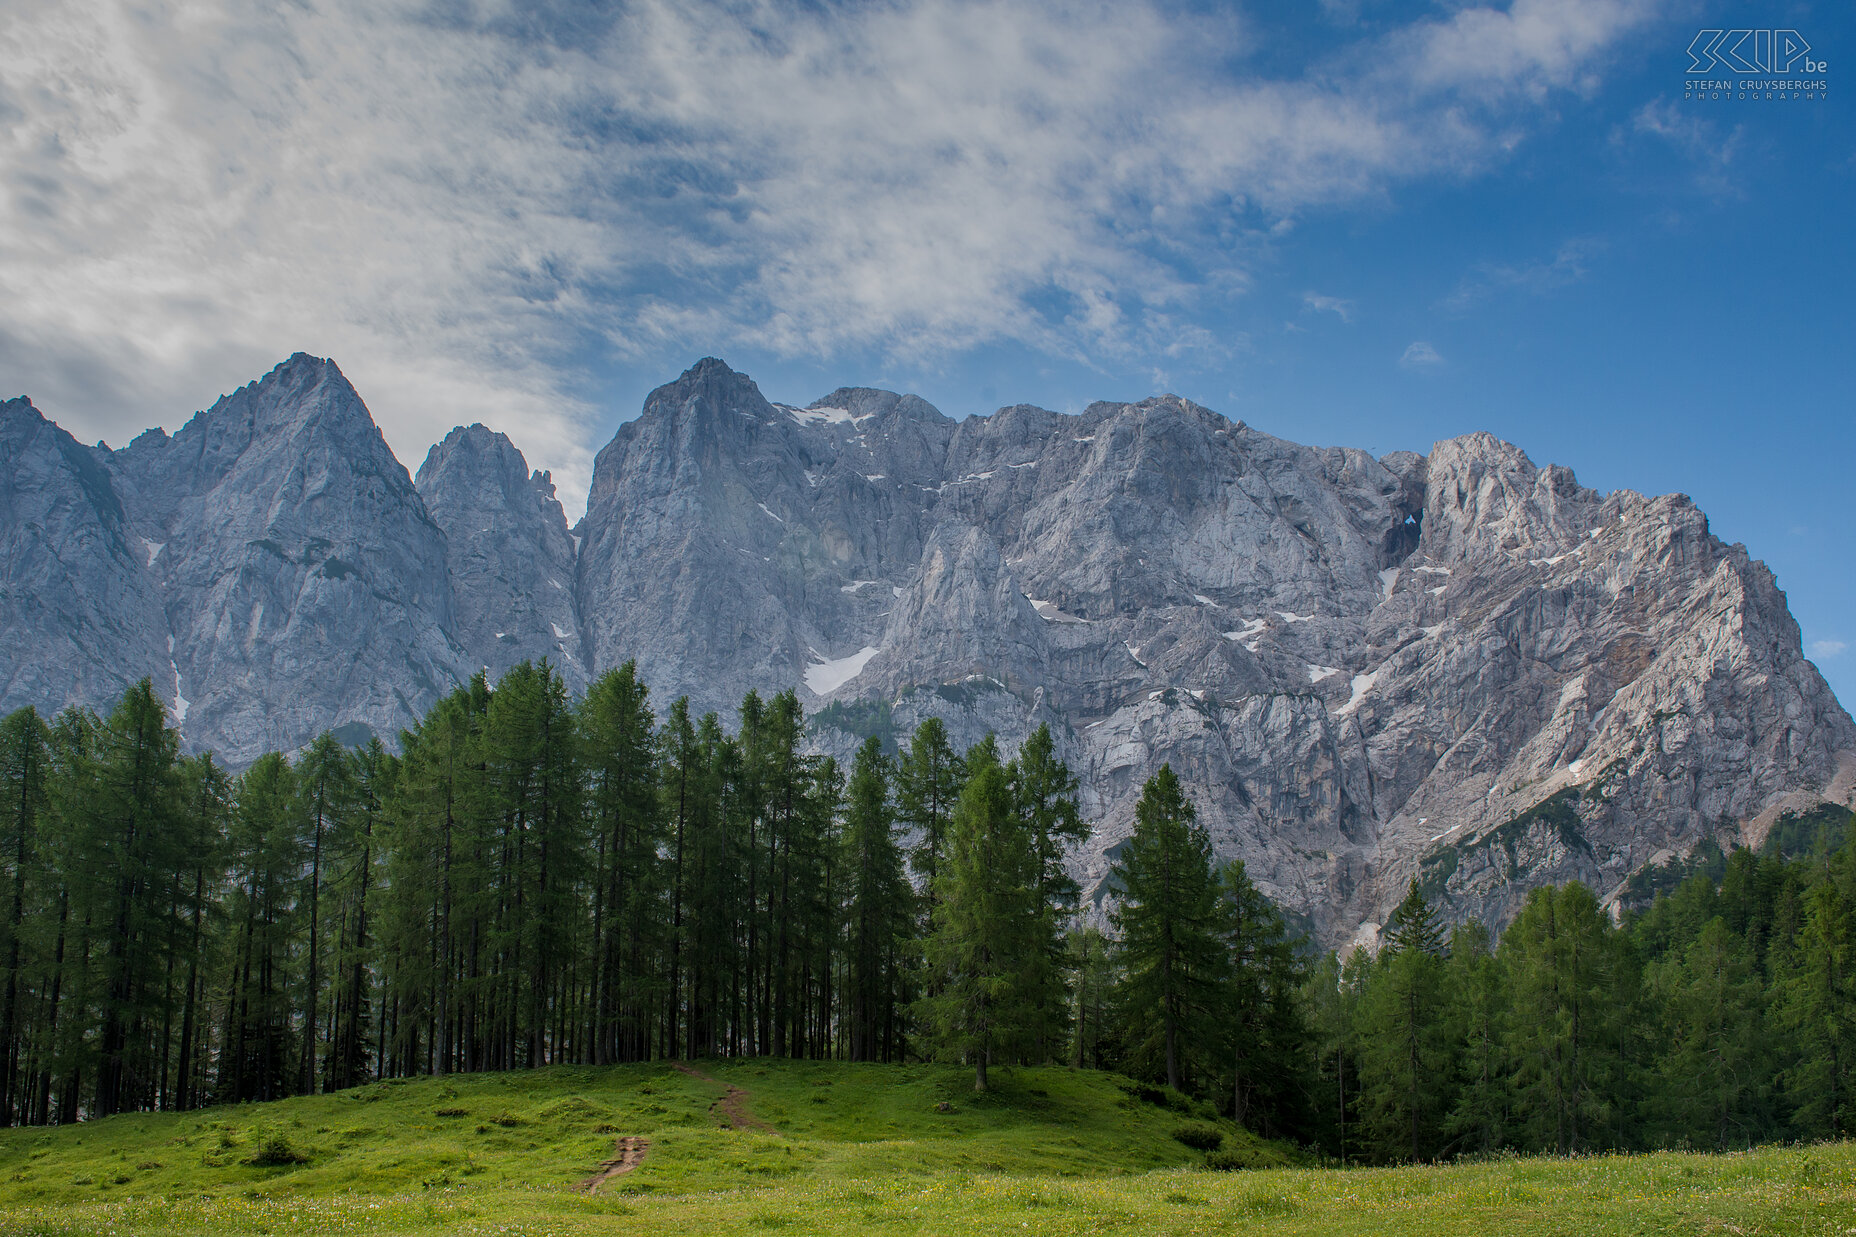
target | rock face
x=301, y=580
x=80, y=612
x=508, y=554
x=1458, y=668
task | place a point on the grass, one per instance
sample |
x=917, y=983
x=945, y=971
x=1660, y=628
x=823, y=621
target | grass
x=860, y=1149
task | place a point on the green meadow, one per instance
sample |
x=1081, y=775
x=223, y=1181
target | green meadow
x=832, y=1148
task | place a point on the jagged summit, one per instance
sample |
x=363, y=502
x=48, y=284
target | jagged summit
x=508, y=553
x=1455, y=666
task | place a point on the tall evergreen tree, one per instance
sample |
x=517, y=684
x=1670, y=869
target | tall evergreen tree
x=682, y=774
x=1045, y=789
x=876, y=908
x=256, y=1058
x=325, y=792
x=625, y=809
x=1817, y=1008
x=1711, y=1075
x=1476, y=984
x=1405, y=1063
x=531, y=753
x=354, y=883
x=714, y=883
x=132, y=849
x=208, y=814
x=1266, y=1027
x=1334, y=991
x=25, y=756
x=929, y=778
x=988, y=926
x=1173, y=962
x=1574, y=984
x=1090, y=958
x=435, y=883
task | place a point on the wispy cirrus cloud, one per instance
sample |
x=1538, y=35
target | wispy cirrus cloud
x=1340, y=308
x=1711, y=149
x=473, y=206
x=1568, y=265
x=1420, y=355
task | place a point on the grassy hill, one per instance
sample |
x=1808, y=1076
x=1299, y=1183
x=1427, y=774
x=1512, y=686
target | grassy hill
x=826, y=1148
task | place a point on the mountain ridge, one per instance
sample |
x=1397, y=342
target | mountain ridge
x=1366, y=670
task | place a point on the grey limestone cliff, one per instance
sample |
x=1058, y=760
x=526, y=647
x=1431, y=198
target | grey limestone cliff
x=508, y=553
x=301, y=578
x=1457, y=668
x=80, y=614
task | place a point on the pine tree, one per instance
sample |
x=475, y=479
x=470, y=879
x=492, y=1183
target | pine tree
x=713, y=881
x=988, y=926
x=1817, y=1008
x=1574, y=989
x=130, y=851
x=818, y=880
x=1405, y=1060
x=682, y=774
x=325, y=790
x=208, y=815
x=1090, y=958
x=256, y=1061
x=1477, y=989
x=1046, y=793
x=625, y=810
x=1711, y=1076
x=876, y=905
x=1334, y=992
x=63, y=1051
x=434, y=883
x=929, y=778
x=530, y=750
x=25, y=754
x=1169, y=921
x=1266, y=1028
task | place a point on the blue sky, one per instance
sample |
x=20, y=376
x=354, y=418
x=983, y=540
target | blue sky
x=1366, y=223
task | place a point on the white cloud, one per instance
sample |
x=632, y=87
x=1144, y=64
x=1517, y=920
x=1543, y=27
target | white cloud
x=1420, y=355
x=469, y=206
x=1343, y=309
x=1822, y=649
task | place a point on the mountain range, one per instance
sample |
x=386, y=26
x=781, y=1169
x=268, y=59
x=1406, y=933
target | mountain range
x=1456, y=667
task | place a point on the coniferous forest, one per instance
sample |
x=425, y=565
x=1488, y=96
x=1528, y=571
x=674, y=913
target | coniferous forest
x=534, y=879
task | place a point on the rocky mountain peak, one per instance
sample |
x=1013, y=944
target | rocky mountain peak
x=507, y=551
x=19, y=408
x=1458, y=666
x=480, y=452
x=711, y=388
x=80, y=613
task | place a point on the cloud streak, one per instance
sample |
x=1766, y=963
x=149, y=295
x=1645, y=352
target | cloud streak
x=473, y=212
x=1568, y=265
x=1420, y=355
x=1340, y=308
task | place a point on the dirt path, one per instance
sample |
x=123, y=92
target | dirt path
x=627, y=1154
x=732, y=1107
